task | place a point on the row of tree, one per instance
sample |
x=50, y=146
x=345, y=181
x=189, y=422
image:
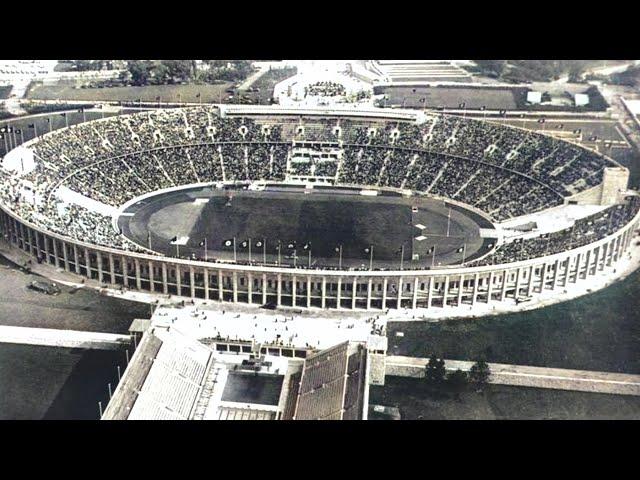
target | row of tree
x=163, y=72
x=534, y=70
x=436, y=374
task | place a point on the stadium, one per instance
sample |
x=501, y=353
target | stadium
x=370, y=209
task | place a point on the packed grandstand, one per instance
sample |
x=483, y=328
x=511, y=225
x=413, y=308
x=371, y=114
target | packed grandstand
x=502, y=171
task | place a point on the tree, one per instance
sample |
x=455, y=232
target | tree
x=479, y=372
x=140, y=71
x=179, y=70
x=457, y=381
x=435, y=371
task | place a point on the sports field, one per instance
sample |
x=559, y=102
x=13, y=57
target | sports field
x=451, y=98
x=605, y=130
x=167, y=93
x=310, y=228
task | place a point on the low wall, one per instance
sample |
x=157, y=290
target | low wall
x=526, y=376
x=62, y=338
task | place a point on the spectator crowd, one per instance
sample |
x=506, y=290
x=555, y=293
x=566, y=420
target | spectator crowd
x=503, y=171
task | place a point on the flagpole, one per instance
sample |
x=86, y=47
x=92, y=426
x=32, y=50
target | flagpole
x=249, y=249
x=279, y=248
x=205, y=250
x=264, y=250
x=402, y=257
x=448, y=221
x=235, y=255
x=371, y=258
x=149, y=238
x=433, y=258
x=309, y=258
x=340, y=261
x=464, y=251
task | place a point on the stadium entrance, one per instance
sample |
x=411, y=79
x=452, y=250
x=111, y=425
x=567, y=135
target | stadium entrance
x=291, y=225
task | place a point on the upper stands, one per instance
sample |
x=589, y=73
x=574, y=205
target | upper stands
x=332, y=385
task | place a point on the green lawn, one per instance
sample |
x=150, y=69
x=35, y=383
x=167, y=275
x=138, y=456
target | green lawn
x=416, y=401
x=599, y=331
x=167, y=93
x=267, y=82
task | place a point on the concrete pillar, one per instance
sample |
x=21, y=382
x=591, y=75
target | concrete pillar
x=235, y=287
x=220, y=286
x=400, y=285
x=543, y=276
x=354, y=284
x=178, y=280
x=192, y=282
x=446, y=291
x=414, y=300
x=99, y=260
x=136, y=262
x=46, y=247
x=31, y=246
x=518, y=282
x=23, y=237
x=323, y=300
x=87, y=261
x=384, y=292
x=369, y=284
x=112, y=271
x=250, y=287
x=567, y=272
x=603, y=257
x=503, y=293
x=430, y=292
x=460, y=289
x=38, y=251
x=152, y=287
x=293, y=290
x=56, y=260
x=556, y=274
x=476, y=281
x=490, y=287
x=76, y=257
x=279, y=290
x=65, y=253
x=165, y=283
x=205, y=273
x=610, y=249
x=309, y=291
x=264, y=288
x=124, y=268
x=339, y=295
x=578, y=261
x=621, y=241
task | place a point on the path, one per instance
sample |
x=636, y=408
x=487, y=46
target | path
x=527, y=376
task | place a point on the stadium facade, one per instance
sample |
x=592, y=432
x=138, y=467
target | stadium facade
x=465, y=160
